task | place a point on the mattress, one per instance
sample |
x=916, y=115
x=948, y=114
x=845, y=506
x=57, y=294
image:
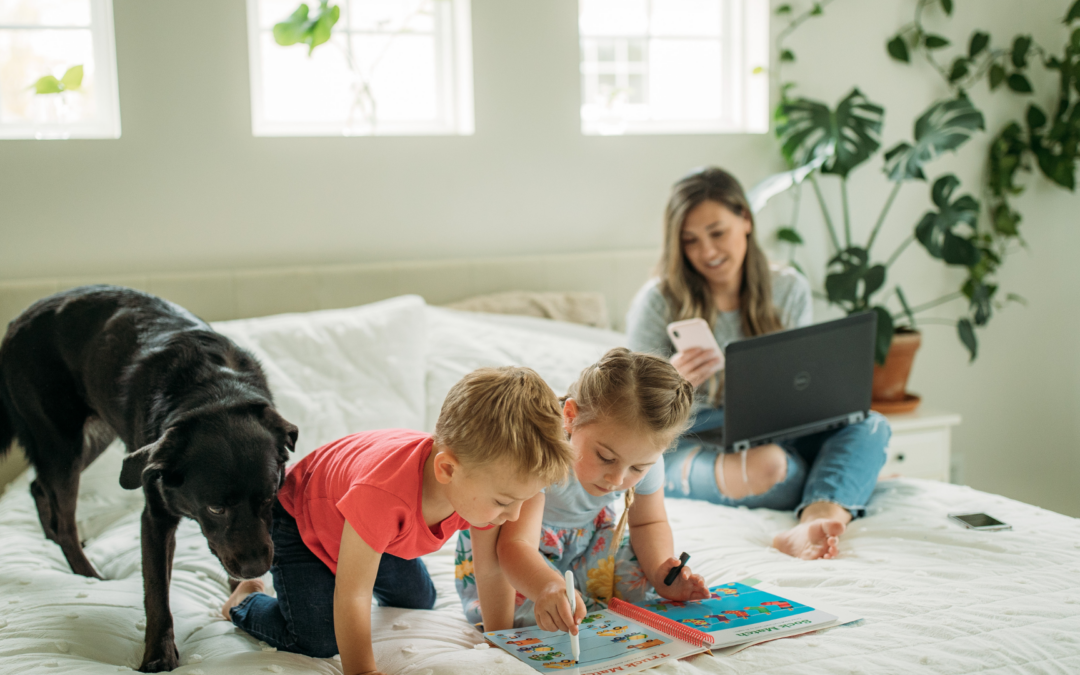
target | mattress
x=934, y=597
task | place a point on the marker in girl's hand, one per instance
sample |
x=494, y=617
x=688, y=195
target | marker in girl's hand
x=673, y=573
x=571, y=597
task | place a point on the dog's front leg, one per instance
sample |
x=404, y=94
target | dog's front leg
x=158, y=544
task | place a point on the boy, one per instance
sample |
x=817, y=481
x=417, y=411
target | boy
x=353, y=518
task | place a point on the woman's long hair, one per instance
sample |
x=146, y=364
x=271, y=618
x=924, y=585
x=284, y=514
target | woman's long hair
x=687, y=293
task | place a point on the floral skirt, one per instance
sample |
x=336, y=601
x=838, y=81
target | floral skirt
x=599, y=572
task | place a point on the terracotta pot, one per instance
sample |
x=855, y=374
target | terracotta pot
x=890, y=380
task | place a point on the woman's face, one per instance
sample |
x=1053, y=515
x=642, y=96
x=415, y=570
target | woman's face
x=714, y=241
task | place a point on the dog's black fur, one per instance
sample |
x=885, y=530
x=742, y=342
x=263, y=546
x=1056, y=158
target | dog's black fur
x=204, y=440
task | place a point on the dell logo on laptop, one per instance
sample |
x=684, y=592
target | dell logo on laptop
x=802, y=381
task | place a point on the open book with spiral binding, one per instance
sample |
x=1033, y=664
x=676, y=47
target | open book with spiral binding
x=625, y=638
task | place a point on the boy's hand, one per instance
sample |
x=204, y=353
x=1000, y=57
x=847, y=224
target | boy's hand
x=687, y=586
x=552, y=610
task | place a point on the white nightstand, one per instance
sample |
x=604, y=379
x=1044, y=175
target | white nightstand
x=920, y=444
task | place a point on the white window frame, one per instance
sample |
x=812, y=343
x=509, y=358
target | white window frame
x=744, y=44
x=455, y=80
x=107, y=92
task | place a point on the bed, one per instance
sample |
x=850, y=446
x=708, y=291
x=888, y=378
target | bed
x=934, y=598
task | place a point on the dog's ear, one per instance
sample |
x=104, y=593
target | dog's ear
x=275, y=422
x=141, y=465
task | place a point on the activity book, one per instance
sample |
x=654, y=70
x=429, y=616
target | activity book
x=625, y=638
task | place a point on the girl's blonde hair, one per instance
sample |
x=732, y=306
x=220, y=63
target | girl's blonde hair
x=640, y=390
x=686, y=291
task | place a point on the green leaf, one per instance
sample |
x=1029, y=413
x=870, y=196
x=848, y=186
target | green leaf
x=979, y=42
x=997, y=75
x=939, y=232
x=967, y=336
x=848, y=269
x=897, y=48
x=1019, y=84
x=848, y=136
x=981, y=298
x=1021, y=45
x=959, y=69
x=932, y=41
x=883, y=339
x=1013, y=297
x=817, y=10
x=1074, y=13
x=783, y=9
x=789, y=235
x=945, y=126
x=947, y=5
x=47, y=85
x=1036, y=118
x=1005, y=221
x=873, y=281
x=73, y=78
x=292, y=30
x=787, y=55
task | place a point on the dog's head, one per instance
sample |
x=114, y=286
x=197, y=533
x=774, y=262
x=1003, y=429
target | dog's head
x=222, y=469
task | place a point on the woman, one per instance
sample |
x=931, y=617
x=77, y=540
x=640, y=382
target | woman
x=712, y=268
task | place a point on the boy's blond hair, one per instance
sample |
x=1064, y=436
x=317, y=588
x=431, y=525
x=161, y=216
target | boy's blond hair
x=506, y=414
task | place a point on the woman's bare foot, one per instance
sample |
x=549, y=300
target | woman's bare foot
x=817, y=534
x=244, y=589
x=811, y=540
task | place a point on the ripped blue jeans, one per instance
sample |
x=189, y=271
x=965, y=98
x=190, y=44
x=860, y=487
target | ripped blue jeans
x=839, y=466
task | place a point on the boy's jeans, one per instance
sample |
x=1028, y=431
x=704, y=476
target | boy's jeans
x=839, y=466
x=301, y=618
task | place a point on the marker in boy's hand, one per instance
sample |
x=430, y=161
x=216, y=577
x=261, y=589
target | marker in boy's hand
x=674, y=572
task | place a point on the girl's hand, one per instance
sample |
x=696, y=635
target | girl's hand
x=552, y=610
x=696, y=364
x=687, y=586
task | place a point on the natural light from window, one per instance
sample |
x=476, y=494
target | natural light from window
x=390, y=67
x=674, y=66
x=58, y=70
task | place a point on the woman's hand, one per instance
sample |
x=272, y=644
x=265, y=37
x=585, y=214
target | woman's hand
x=696, y=364
x=687, y=586
x=552, y=610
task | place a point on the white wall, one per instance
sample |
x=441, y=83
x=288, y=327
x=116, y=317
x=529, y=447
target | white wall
x=188, y=187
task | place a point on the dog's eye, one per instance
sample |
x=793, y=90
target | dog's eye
x=216, y=510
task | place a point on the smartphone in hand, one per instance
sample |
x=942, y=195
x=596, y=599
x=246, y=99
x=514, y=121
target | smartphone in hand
x=694, y=333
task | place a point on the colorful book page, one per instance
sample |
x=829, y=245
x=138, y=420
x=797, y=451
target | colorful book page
x=607, y=640
x=731, y=606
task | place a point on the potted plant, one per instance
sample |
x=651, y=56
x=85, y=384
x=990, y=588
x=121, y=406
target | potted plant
x=818, y=141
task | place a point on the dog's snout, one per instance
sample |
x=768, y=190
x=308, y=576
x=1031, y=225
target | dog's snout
x=249, y=565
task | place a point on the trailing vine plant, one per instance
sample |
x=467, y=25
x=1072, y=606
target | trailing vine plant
x=816, y=139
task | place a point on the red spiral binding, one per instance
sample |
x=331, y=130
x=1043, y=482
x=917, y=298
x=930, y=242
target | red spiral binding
x=661, y=623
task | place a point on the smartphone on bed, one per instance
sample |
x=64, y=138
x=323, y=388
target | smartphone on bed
x=694, y=333
x=979, y=521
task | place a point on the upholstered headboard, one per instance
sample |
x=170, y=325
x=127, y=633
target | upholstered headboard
x=237, y=294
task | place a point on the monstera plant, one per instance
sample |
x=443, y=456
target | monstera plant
x=818, y=141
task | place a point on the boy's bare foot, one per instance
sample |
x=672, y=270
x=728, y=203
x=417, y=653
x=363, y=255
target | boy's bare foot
x=243, y=589
x=812, y=539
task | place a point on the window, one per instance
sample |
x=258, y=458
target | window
x=58, y=69
x=391, y=67
x=674, y=66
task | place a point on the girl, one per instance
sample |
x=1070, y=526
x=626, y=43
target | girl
x=712, y=268
x=620, y=416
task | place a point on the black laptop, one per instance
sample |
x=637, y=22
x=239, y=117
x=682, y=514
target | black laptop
x=798, y=381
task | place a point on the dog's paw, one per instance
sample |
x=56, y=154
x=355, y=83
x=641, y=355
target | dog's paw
x=165, y=659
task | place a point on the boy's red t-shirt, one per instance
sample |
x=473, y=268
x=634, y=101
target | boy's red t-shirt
x=374, y=480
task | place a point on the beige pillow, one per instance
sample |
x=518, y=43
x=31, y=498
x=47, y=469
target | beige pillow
x=586, y=308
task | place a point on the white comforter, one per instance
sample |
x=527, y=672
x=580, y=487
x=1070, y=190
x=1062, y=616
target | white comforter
x=935, y=598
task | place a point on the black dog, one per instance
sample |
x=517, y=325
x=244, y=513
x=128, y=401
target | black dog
x=204, y=440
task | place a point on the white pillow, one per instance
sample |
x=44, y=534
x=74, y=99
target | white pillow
x=336, y=372
x=460, y=342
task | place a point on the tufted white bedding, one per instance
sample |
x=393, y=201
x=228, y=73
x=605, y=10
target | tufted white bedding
x=936, y=598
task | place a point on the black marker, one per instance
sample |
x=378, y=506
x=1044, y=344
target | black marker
x=674, y=572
